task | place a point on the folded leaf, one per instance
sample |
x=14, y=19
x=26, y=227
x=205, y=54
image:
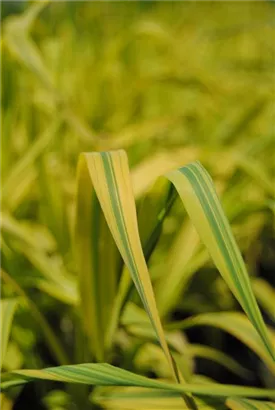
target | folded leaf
x=198, y=194
x=110, y=176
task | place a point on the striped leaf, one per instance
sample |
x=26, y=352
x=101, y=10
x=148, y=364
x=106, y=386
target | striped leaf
x=97, y=263
x=244, y=404
x=7, y=308
x=154, y=208
x=133, y=398
x=102, y=374
x=110, y=176
x=200, y=199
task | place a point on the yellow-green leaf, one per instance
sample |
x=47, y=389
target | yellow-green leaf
x=219, y=357
x=265, y=294
x=20, y=44
x=200, y=199
x=97, y=263
x=244, y=404
x=7, y=308
x=103, y=374
x=50, y=336
x=111, y=180
x=133, y=398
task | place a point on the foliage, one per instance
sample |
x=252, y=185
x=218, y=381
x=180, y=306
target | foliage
x=170, y=86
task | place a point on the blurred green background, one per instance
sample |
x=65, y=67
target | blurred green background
x=170, y=82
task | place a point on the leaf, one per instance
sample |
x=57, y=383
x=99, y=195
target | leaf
x=19, y=42
x=35, y=245
x=7, y=307
x=198, y=194
x=12, y=382
x=22, y=172
x=219, y=357
x=5, y=402
x=265, y=295
x=110, y=175
x=181, y=252
x=103, y=374
x=62, y=290
x=133, y=398
x=144, y=175
x=234, y=323
x=244, y=404
x=257, y=171
x=53, y=205
x=136, y=324
x=50, y=336
x=97, y=263
x=155, y=207
x=150, y=358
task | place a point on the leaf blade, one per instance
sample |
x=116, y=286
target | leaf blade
x=198, y=194
x=103, y=374
x=7, y=309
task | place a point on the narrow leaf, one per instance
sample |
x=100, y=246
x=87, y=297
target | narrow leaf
x=133, y=398
x=7, y=308
x=265, y=294
x=110, y=175
x=49, y=334
x=103, y=374
x=244, y=404
x=198, y=194
x=97, y=263
x=20, y=44
x=219, y=357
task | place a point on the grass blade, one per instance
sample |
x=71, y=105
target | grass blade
x=181, y=253
x=111, y=180
x=7, y=309
x=221, y=358
x=109, y=172
x=50, y=336
x=35, y=246
x=97, y=263
x=133, y=398
x=244, y=404
x=103, y=374
x=265, y=295
x=198, y=194
x=20, y=44
x=24, y=168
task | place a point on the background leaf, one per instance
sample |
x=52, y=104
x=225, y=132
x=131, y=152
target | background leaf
x=7, y=307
